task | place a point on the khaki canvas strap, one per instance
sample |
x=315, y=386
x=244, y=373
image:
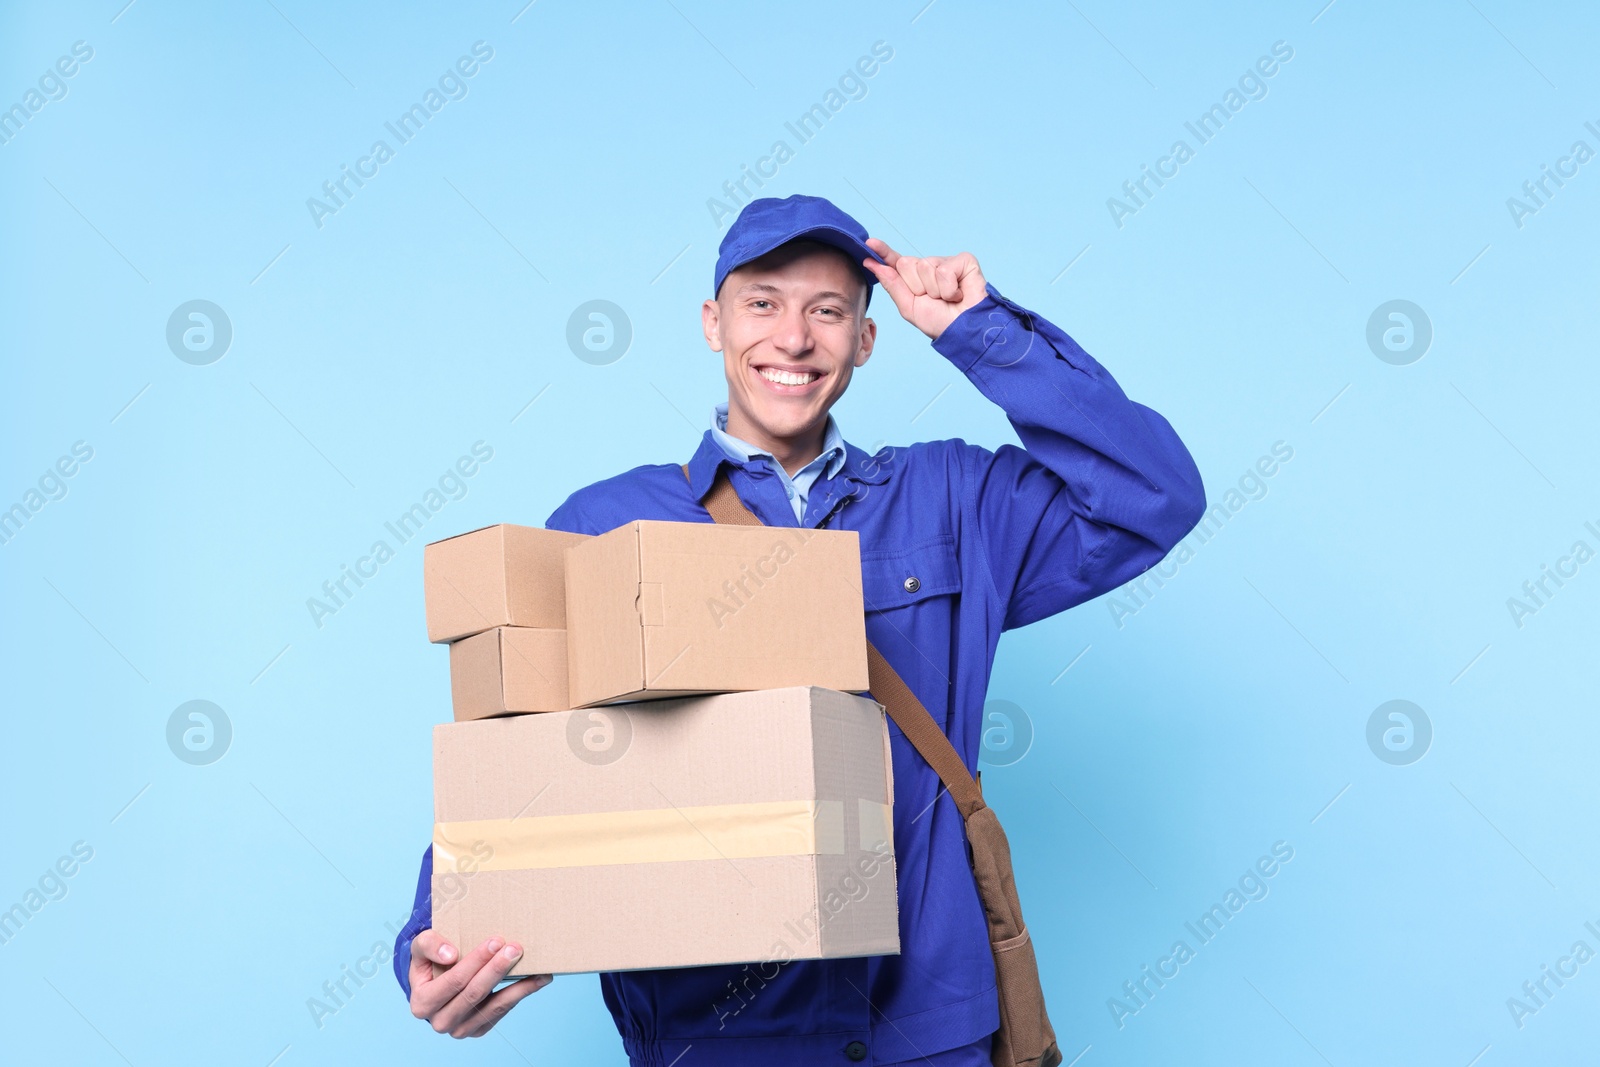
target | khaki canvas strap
x=1025, y=1037
x=888, y=688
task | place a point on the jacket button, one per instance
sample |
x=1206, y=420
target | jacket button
x=856, y=1051
x=912, y=584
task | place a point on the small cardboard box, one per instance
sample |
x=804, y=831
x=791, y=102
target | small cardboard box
x=664, y=609
x=508, y=669
x=497, y=576
x=738, y=828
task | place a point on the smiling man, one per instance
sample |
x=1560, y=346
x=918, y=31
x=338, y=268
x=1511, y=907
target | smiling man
x=791, y=326
x=958, y=543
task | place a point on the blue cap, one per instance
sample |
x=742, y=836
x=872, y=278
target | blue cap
x=767, y=223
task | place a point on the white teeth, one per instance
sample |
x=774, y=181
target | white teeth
x=784, y=377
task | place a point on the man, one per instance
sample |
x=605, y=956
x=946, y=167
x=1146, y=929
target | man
x=957, y=544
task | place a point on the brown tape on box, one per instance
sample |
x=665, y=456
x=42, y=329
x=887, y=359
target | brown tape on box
x=658, y=835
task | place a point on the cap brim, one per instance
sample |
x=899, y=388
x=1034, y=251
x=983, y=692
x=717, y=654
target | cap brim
x=832, y=236
x=840, y=239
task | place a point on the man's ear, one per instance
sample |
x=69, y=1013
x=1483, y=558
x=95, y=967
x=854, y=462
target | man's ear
x=711, y=324
x=869, y=337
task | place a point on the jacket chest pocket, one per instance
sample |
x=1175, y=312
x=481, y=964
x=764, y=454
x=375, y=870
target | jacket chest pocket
x=910, y=576
x=912, y=598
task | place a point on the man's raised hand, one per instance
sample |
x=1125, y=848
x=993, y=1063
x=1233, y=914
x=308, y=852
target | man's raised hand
x=928, y=291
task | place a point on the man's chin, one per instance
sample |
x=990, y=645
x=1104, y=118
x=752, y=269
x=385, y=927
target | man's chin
x=789, y=424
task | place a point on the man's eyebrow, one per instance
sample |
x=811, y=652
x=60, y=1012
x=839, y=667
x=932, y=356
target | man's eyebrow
x=751, y=288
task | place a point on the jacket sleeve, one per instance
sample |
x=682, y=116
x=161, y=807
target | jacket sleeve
x=421, y=919
x=1103, y=487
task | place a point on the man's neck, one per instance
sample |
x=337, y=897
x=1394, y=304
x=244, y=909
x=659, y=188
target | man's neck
x=792, y=452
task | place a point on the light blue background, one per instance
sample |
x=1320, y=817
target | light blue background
x=1224, y=716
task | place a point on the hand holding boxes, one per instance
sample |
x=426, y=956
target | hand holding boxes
x=744, y=827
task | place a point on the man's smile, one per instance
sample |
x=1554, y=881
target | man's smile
x=788, y=380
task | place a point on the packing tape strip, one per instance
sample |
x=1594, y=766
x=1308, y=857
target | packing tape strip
x=875, y=826
x=652, y=835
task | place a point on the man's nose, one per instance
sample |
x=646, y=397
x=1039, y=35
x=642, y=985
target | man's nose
x=793, y=334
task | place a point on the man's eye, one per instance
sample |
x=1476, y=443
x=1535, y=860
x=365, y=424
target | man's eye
x=760, y=303
x=829, y=311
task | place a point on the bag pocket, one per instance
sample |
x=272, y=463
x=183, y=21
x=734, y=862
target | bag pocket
x=1016, y=974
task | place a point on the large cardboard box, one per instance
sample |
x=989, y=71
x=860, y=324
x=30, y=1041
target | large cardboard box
x=496, y=576
x=739, y=828
x=508, y=669
x=663, y=609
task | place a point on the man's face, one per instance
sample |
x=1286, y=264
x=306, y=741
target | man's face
x=791, y=327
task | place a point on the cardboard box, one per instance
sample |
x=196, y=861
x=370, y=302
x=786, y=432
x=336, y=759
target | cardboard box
x=663, y=609
x=497, y=576
x=508, y=669
x=739, y=828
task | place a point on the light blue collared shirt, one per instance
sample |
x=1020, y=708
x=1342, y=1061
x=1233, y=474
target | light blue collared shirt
x=799, y=486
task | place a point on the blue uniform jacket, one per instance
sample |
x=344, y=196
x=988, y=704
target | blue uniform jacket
x=1102, y=489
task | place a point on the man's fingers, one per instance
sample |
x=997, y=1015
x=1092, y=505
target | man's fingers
x=889, y=255
x=966, y=268
x=429, y=998
x=893, y=284
x=431, y=945
x=494, y=1009
x=420, y=971
x=427, y=949
x=452, y=1017
x=910, y=270
x=928, y=291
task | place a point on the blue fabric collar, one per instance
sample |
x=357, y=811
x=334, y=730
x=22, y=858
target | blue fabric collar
x=741, y=451
x=857, y=466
